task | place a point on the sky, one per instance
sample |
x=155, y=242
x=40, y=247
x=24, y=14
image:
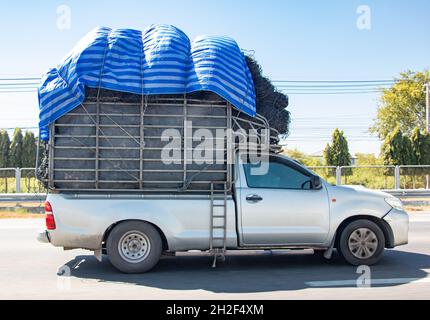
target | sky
x=291, y=39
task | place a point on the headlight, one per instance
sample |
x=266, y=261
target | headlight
x=395, y=203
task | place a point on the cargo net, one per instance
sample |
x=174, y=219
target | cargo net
x=120, y=142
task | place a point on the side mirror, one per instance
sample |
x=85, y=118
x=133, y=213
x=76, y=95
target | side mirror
x=316, y=183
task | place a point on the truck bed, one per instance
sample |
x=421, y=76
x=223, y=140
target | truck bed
x=183, y=219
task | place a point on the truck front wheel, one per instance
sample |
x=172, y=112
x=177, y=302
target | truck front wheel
x=134, y=247
x=362, y=242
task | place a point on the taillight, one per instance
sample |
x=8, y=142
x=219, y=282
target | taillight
x=50, y=221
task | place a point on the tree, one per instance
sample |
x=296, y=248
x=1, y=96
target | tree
x=328, y=159
x=29, y=150
x=421, y=149
x=4, y=149
x=397, y=150
x=4, y=155
x=306, y=160
x=337, y=153
x=403, y=105
x=368, y=159
x=16, y=149
x=421, y=146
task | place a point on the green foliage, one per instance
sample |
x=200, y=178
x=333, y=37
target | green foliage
x=421, y=146
x=16, y=149
x=4, y=149
x=28, y=184
x=307, y=160
x=337, y=153
x=371, y=177
x=397, y=149
x=29, y=150
x=403, y=105
x=368, y=159
x=328, y=157
x=20, y=153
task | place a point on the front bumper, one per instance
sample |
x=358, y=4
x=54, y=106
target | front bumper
x=399, y=222
x=43, y=236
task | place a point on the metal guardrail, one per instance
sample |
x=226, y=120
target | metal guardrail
x=19, y=180
x=393, y=179
x=405, y=178
x=409, y=193
x=22, y=197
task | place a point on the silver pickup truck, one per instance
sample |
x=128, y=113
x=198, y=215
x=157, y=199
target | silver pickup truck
x=288, y=207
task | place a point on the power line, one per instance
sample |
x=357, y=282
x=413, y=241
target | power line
x=330, y=88
x=17, y=85
x=23, y=128
x=311, y=82
x=325, y=118
x=17, y=91
x=17, y=88
x=328, y=93
x=334, y=81
x=18, y=82
x=20, y=79
x=325, y=86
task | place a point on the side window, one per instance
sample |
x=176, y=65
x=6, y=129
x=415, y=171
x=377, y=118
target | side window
x=279, y=176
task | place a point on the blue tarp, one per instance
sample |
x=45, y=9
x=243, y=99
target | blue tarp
x=159, y=60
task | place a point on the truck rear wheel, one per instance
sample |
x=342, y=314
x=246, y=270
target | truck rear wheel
x=362, y=242
x=134, y=247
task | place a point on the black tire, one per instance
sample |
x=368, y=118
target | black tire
x=349, y=255
x=144, y=233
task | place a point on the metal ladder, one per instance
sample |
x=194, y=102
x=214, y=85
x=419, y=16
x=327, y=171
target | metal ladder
x=218, y=221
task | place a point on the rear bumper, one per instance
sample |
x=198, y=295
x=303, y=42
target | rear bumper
x=399, y=223
x=43, y=236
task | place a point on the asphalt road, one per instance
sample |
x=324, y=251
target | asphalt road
x=29, y=270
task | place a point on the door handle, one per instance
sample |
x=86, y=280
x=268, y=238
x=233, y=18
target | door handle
x=253, y=197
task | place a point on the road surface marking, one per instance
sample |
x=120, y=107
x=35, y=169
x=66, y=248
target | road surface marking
x=342, y=283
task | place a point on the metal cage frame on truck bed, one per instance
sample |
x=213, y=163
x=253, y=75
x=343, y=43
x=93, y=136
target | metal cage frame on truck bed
x=106, y=145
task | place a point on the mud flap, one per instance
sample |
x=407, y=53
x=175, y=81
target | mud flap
x=98, y=254
x=329, y=252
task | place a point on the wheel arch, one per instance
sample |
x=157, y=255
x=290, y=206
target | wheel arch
x=385, y=227
x=113, y=225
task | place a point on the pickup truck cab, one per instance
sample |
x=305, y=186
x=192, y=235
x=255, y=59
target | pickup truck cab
x=287, y=207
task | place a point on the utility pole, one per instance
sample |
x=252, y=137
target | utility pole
x=427, y=86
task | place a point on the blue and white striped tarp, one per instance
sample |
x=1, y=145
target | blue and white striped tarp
x=159, y=60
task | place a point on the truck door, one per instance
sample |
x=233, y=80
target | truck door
x=281, y=207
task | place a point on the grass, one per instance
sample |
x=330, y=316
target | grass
x=28, y=185
x=20, y=214
x=412, y=209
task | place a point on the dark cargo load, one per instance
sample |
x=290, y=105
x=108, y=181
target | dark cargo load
x=123, y=100
x=113, y=142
